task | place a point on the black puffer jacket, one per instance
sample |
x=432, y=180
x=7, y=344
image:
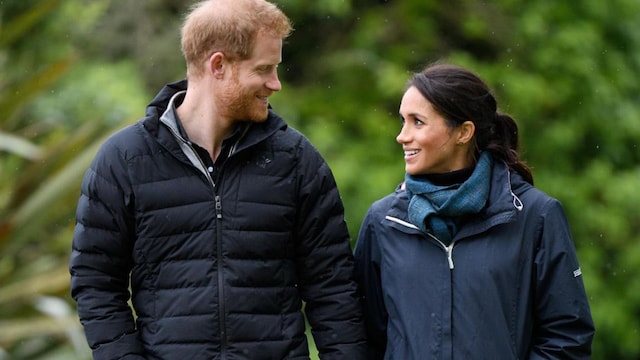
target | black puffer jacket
x=219, y=265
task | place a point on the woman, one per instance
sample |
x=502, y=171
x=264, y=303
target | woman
x=466, y=259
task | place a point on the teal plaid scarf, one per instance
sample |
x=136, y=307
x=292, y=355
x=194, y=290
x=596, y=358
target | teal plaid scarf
x=435, y=209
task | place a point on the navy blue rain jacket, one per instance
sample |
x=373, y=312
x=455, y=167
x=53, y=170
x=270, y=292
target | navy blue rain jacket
x=508, y=287
x=219, y=266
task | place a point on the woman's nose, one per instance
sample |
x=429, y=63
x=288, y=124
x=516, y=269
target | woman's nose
x=402, y=137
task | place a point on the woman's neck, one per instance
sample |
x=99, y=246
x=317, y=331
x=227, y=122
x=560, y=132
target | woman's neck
x=450, y=178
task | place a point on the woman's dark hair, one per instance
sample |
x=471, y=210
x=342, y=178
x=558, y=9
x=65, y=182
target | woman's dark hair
x=460, y=95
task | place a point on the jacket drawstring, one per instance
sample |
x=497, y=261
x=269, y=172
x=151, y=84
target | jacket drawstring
x=517, y=203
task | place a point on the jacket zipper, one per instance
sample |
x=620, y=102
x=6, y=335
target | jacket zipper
x=447, y=249
x=222, y=324
x=222, y=306
x=221, y=303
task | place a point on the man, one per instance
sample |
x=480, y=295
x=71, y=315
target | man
x=220, y=217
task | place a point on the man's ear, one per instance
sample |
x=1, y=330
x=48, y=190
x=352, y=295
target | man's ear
x=217, y=64
x=466, y=132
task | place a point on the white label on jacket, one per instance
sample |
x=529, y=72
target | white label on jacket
x=577, y=272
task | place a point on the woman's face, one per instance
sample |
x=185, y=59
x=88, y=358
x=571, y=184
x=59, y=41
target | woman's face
x=429, y=144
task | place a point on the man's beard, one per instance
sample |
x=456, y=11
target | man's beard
x=240, y=105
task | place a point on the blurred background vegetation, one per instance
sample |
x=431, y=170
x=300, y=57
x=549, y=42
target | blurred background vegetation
x=74, y=71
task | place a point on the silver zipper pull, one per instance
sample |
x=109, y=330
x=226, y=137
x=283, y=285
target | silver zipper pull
x=449, y=250
x=218, y=207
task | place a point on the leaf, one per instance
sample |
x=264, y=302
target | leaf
x=19, y=146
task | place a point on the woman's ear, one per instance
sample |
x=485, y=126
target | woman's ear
x=466, y=132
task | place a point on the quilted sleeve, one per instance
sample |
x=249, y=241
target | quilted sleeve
x=325, y=262
x=101, y=258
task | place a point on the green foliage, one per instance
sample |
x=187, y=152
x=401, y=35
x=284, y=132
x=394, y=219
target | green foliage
x=55, y=110
x=71, y=72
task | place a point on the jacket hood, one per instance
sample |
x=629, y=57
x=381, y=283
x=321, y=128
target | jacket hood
x=159, y=104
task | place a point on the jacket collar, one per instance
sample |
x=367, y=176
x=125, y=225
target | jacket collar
x=502, y=206
x=255, y=132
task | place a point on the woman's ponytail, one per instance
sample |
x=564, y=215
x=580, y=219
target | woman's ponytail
x=504, y=143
